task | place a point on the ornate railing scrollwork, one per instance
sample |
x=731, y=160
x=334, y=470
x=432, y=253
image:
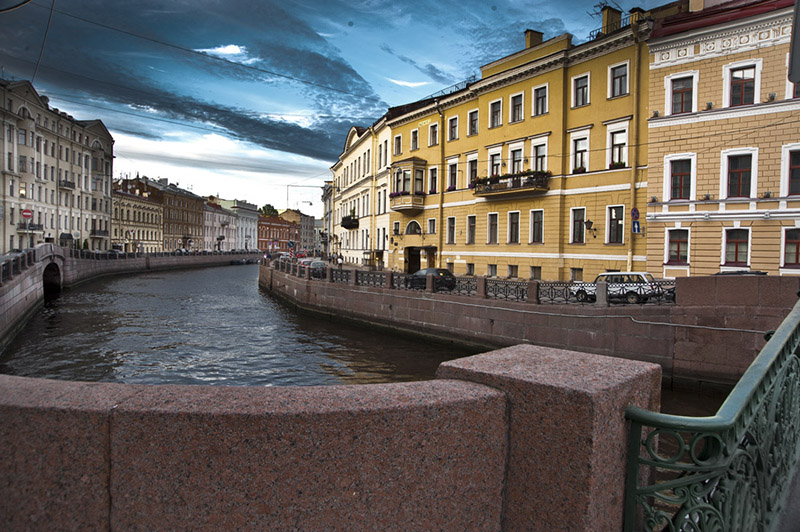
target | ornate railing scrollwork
x=506, y=289
x=729, y=472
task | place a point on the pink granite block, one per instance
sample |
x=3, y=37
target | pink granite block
x=696, y=291
x=567, y=432
x=54, y=474
x=414, y=456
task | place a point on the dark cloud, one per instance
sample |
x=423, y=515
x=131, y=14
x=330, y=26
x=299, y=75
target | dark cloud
x=431, y=71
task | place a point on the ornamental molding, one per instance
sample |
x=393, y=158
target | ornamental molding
x=724, y=41
x=725, y=113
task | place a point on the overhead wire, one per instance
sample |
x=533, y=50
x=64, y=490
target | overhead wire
x=44, y=40
x=12, y=8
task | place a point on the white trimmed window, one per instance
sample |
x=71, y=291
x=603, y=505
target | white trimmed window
x=617, y=142
x=618, y=80
x=433, y=134
x=615, y=224
x=790, y=170
x=451, y=230
x=494, y=167
x=452, y=174
x=513, y=227
x=516, y=108
x=515, y=157
x=414, y=139
x=681, y=92
x=579, y=151
x=736, y=247
x=540, y=100
x=472, y=168
x=741, y=83
x=677, y=246
x=472, y=123
x=433, y=180
x=496, y=113
x=452, y=128
x=536, y=227
x=431, y=226
x=581, y=88
x=491, y=228
x=398, y=144
x=739, y=173
x=680, y=182
x=539, y=154
x=790, y=248
x=577, y=229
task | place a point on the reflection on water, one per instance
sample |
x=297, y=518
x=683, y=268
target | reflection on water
x=208, y=326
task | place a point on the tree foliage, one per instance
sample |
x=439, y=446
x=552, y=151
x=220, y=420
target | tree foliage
x=268, y=210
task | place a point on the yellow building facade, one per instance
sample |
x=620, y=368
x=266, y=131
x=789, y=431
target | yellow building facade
x=537, y=170
x=724, y=148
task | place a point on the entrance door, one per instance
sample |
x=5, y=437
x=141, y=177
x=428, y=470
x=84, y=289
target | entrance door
x=413, y=260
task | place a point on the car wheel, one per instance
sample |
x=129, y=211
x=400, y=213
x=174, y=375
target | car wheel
x=582, y=296
x=632, y=298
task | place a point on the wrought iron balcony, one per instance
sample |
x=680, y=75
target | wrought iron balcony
x=24, y=226
x=407, y=201
x=63, y=183
x=527, y=182
x=350, y=222
x=98, y=232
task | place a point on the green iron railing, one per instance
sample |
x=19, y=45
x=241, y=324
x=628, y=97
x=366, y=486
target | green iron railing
x=729, y=472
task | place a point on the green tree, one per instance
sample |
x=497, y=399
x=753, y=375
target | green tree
x=268, y=210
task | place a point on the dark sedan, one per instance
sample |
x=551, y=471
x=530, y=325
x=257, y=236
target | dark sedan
x=443, y=279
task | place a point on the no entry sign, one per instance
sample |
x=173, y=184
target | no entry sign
x=27, y=214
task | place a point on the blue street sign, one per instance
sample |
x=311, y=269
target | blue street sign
x=635, y=214
x=290, y=244
x=635, y=227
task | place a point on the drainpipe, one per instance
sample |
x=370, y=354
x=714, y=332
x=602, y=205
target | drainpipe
x=440, y=187
x=635, y=144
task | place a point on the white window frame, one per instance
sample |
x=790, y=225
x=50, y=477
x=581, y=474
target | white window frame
x=786, y=149
x=726, y=77
x=667, y=231
x=511, y=107
x=433, y=181
x=500, y=114
x=508, y=227
x=466, y=231
x=608, y=223
x=530, y=226
x=725, y=230
x=414, y=137
x=588, y=76
x=431, y=128
x=572, y=211
x=783, y=246
x=627, y=91
x=667, y=192
x=723, y=179
x=695, y=75
x=518, y=146
x=470, y=159
x=449, y=240
x=477, y=122
x=542, y=141
x=433, y=220
x=494, y=151
x=453, y=161
x=488, y=225
x=546, y=87
x=450, y=120
x=578, y=135
x=616, y=127
x=397, y=144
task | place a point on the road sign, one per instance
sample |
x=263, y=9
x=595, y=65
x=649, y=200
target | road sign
x=27, y=214
x=634, y=214
x=635, y=227
x=290, y=244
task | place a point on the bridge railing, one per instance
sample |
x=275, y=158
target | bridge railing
x=730, y=471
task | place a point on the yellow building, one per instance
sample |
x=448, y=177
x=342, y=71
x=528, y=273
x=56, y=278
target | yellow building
x=535, y=170
x=724, y=158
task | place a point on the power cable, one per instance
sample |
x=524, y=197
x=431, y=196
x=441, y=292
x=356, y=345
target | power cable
x=12, y=8
x=44, y=41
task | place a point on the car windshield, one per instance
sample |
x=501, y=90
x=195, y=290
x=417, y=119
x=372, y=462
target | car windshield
x=649, y=277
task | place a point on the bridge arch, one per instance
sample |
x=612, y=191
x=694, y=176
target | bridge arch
x=51, y=280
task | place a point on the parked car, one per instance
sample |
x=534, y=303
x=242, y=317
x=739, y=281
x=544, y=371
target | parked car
x=631, y=287
x=319, y=269
x=443, y=279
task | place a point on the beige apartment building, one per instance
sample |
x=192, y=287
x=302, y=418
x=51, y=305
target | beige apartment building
x=724, y=147
x=137, y=222
x=56, y=174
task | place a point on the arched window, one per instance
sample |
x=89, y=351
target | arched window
x=413, y=228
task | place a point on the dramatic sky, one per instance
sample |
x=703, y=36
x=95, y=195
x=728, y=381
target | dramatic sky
x=253, y=99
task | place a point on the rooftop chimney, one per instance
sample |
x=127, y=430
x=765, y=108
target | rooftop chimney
x=611, y=19
x=533, y=38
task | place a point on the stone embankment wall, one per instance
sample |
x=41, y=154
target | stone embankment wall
x=524, y=438
x=708, y=338
x=23, y=293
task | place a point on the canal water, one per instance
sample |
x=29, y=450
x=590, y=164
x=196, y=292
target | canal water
x=213, y=326
x=206, y=326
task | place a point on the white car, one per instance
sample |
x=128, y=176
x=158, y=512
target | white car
x=631, y=287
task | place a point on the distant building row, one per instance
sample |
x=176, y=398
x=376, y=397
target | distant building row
x=668, y=142
x=57, y=186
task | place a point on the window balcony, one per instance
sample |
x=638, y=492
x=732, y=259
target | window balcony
x=510, y=184
x=407, y=202
x=98, y=232
x=63, y=183
x=350, y=222
x=24, y=227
